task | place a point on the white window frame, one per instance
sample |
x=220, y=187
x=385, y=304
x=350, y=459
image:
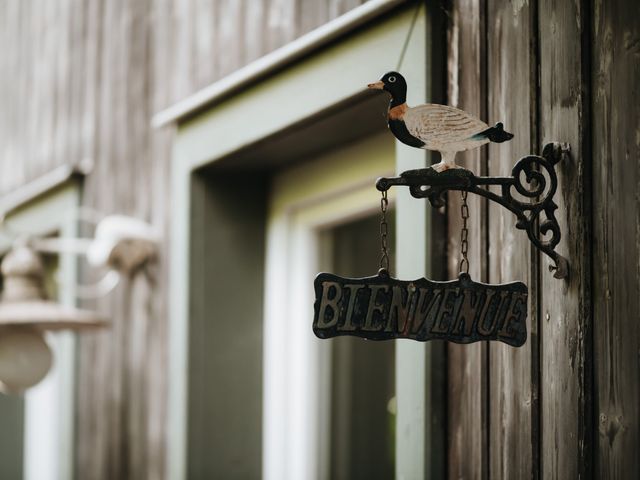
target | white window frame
x=297, y=383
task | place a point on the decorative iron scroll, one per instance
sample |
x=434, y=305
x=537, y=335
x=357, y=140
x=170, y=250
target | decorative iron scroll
x=383, y=308
x=543, y=231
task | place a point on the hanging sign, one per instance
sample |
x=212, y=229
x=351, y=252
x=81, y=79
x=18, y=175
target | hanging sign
x=383, y=308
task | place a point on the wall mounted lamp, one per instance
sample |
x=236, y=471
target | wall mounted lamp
x=25, y=313
x=120, y=244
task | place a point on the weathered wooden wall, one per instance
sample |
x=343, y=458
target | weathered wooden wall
x=79, y=82
x=566, y=405
x=468, y=364
x=566, y=442
x=615, y=78
x=80, y=79
x=62, y=57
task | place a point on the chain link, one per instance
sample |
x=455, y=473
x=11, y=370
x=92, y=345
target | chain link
x=464, y=234
x=384, y=231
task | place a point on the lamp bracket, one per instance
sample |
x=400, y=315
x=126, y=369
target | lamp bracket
x=535, y=216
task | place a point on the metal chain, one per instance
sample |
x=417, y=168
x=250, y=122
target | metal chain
x=384, y=231
x=464, y=234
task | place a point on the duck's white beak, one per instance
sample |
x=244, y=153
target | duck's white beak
x=376, y=85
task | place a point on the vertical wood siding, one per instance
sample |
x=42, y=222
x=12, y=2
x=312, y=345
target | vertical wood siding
x=61, y=57
x=468, y=373
x=616, y=228
x=566, y=405
x=566, y=419
x=79, y=81
x=513, y=382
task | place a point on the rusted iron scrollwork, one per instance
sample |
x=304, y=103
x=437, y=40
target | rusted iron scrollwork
x=528, y=178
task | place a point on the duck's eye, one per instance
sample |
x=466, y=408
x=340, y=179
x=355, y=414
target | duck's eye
x=392, y=79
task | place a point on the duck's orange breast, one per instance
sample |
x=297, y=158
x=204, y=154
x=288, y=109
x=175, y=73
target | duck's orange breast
x=397, y=113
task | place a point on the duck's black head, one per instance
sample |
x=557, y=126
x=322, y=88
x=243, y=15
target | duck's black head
x=395, y=84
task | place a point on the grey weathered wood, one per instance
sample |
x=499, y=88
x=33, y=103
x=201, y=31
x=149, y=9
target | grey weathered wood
x=555, y=439
x=338, y=7
x=280, y=22
x=79, y=81
x=311, y=12
x=616, y=233
x=229, y=29
x=137, y=58
x=467, y=364
x=565, y=305
x=56, y=61
x=513, y=372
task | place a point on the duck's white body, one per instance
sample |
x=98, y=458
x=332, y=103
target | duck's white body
x=442, y=128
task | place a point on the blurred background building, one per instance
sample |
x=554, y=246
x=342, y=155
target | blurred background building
x=242, y=134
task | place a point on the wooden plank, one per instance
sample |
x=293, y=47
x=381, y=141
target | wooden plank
x=102, y=440
x=565, y=331
x=91, y=423
x=155, y=283
x=513, y=401
x=229, y=29
x=90, y=74
x=207, y=19
x=312, y=13
x=280, y=23
x=124, y=439
x=467, y=364
x=616, y=233
x=339, y=7
x=254, y=45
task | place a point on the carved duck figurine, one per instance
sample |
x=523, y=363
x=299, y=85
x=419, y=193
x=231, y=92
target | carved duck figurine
x=444, y=129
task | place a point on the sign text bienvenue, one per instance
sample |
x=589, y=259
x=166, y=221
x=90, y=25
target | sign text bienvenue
x=381, y=308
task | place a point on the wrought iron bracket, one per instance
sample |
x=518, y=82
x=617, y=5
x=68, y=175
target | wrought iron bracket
x=536, y=217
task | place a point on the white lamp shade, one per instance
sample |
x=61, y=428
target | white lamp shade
x=25, y=359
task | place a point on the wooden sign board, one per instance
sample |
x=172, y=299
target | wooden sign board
x=383, y=308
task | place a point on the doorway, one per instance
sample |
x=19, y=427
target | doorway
x=363, y=404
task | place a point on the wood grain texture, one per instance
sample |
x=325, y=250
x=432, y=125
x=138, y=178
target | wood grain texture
x=565, y=305
x=281, y=26
x=616, y=229
x=57, y=53
x=513, y=395
x=79, y=80
x=467, y=364
x=566, y=405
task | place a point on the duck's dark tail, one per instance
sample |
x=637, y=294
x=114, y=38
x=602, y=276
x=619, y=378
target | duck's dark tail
x=495, y=134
